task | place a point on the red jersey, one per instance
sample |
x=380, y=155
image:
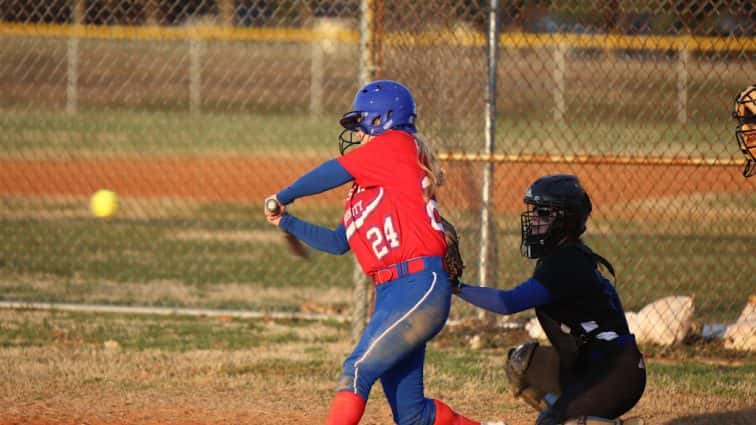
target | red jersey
x=387, y=219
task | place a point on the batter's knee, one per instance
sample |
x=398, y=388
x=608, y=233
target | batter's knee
x=345, y=383
x=355, y=383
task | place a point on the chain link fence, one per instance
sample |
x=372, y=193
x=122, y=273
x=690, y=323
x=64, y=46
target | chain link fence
x=194, y=111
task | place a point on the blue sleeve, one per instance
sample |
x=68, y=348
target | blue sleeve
x=321, y=238
x=528, y=294
x=325, y=176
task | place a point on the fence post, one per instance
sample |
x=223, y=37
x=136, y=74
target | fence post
x=682, y=85
x=560, y=68
x=226, y=12
x=195, y=73
x=486, y=259
x=323, y=47
x=316, y=74
x=367, y=73
x=152, y=13
x=72, y=61
x=72, y=75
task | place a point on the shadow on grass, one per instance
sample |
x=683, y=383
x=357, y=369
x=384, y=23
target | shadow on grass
x=739, y=417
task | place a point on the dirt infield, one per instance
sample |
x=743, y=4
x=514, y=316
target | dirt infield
x=251, y=179
x=287, y=406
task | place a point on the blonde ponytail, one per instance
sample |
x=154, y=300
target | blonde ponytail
x=435, y=174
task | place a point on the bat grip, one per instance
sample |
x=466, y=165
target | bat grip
x=272, y=206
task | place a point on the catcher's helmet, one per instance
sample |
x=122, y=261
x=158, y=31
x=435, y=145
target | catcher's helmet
x=378, y=107
x=558, y=208
x=745, y=112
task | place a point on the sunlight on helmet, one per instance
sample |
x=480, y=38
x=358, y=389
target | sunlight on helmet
x=378, y=106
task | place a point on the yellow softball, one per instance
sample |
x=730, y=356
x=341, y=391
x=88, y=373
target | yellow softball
x=104, y=203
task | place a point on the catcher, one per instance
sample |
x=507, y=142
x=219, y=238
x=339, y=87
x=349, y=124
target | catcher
x=745, y=113
x=593, y=369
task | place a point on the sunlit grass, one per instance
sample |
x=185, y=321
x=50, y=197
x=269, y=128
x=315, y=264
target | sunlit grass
x=224, y=255
x=147, y=134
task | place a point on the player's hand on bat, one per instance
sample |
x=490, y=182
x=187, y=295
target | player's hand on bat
x=274, y=210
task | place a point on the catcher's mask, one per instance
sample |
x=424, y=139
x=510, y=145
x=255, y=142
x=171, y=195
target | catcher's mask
x=378, y=106
x=557, y=209
x=745, y=112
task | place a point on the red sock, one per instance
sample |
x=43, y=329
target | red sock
x=446, y=416
x=346, y=409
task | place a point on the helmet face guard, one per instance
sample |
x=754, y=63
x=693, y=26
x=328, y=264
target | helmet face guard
x=352, y=134
x=557, y=209
x=746, y=135
x=744, y=111
x=543, y=228
x=378, y=106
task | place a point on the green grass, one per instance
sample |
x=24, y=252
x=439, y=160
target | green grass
x=651, y=267
x=40, y=133
x=165, y=333
x=698, y=379
x=134, y=100
x=130, y=332
x=152, y=134
x=157, y=261
x=449, y=363
x=80, y=255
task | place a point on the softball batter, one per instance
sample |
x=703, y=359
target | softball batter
x=391, y=223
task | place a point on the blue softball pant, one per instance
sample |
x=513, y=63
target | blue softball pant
x=409, y=311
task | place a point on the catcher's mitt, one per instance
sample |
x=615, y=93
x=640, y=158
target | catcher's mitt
x=453, y=258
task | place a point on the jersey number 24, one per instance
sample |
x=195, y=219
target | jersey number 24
x=387, y=238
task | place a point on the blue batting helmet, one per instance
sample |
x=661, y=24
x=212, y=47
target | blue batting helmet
x=379, y=106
